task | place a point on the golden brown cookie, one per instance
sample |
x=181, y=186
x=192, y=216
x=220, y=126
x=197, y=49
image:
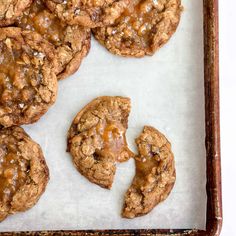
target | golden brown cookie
x=92, y=13
x=72, y=43
x=28, y=84
x=11, y=9
x=96, y=139
x=23, y=171
x=155, y=174
x=143, y=28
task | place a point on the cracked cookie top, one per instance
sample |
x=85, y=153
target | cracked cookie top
x=11, y=9
x=96, y=139
x=28, y=84
x=155, y=174
x=144, y=27
x=71, y=43
x=23, y=171
x=92, y=13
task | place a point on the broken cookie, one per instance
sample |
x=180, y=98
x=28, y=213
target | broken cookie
x=23, y=171
x=155, y=174
x=96, y=139
x=72, y=43
x=28, y=84
x=143, y=28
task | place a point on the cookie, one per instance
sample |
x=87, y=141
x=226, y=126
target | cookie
x=92, y=13
x=11, y=9
x=23, y=171
x=72, y=43
x=155, y=174
x=28, y=84
x=142, y=29
x=96, y=139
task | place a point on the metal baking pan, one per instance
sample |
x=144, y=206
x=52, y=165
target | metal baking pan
x=212, y=142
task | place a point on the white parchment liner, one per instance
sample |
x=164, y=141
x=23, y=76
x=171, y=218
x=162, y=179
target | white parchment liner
x=167, y=92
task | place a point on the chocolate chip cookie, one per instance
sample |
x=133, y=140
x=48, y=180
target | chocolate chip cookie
x=28, y=84
x=96, y=139
x=143, y=28
x=92, y=13
x=72, y=43
x=11, y=9
x=23, y=171
x=155, y=174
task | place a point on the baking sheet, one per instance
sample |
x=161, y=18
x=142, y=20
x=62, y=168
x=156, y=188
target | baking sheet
x=167, y=92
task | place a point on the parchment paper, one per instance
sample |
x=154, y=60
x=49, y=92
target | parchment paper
x=167, y=92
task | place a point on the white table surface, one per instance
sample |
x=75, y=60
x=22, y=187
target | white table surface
x=228, y=112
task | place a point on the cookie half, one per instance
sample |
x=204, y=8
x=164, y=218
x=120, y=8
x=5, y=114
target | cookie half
x=72, y=43
x=28, y=84
x=23, y=172
x=88, y=13
x=96, y=139
x=143, y=28
x=155, y=174
x=11, y=9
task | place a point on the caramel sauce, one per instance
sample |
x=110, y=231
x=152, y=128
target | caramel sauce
x=138, y=20
x=13, y=171
x=41, y=20
x=144, y=178
x=144, y=166
x=16, y=75
x=113, y=135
